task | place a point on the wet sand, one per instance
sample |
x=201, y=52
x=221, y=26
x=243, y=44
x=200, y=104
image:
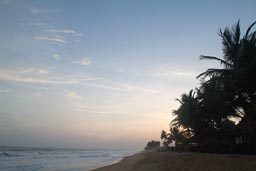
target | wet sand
x=165, y=161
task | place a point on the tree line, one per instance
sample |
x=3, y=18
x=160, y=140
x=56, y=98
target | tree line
x=204, y=121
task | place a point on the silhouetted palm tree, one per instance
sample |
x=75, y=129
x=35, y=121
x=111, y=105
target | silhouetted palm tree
x=214, y=103
x=186, y=113
x=164, y=137
x=239, y=63
x=176, y=135
x=237, y=77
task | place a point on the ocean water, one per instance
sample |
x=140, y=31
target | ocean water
x=51, y=159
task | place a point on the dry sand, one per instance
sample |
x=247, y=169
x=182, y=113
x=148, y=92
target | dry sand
x=165, y=161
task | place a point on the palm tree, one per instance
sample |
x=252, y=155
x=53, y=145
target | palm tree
x=186, y=113
x=201, y=115
x=239, y=63
x=164, y=137
x=214, y=103
x=187, y=118
x=176, y=136
x=215, y=113
x=237, y=77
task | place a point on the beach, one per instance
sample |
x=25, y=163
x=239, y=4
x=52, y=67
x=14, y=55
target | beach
x=163, y=161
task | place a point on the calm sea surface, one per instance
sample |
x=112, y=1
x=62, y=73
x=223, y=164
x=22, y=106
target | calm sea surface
x=51, y=159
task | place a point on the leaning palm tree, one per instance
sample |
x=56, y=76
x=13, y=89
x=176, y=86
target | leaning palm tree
x=238, y=73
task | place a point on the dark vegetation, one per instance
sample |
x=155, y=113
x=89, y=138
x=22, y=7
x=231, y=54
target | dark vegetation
x=153, y=145
x=203, y=122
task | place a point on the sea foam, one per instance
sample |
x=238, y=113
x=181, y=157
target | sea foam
x=44, y=159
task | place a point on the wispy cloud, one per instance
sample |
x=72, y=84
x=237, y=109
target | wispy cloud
x=61, y=31
x=66, y=31
x=56, y=39
x=92, y=110
x=79, y=34
x=4, y=90
x=35, y=87
x=33, y=71
x=56, y=56
x=43, y=76
x=85, y=61
x=36, y=10
x=73, y=94
x=37, y=94
x=83, y=108
x=28, y=77
x=168, y=71
x=25, y=23
x=119, y=86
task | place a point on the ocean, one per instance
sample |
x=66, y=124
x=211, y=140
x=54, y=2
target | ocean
x=54, y=159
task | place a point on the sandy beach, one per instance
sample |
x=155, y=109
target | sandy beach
x=164, y=161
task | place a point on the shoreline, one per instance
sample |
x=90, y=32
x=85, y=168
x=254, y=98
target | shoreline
x=162, y=161
x=118, y=162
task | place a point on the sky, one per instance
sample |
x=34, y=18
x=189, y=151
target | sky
x=103, y=73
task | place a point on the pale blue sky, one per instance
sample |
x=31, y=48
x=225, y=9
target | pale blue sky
x=103, y=74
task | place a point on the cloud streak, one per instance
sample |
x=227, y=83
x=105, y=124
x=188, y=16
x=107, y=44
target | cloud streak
x=61, y=31
x=119, y=86
x=65, y=31
x=36, y=78
x=4, y=90
x=90, y=111
x=36, y=10
x=56, y=56
x=85, y=61
x=34, y=71
x=168, y=71
x=73, y=94
x=56, y=39
x=42, y=76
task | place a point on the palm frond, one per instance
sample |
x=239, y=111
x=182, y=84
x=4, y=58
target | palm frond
x=249, y=29
x=179, y=101
x=222, y=62
x=228, y=44
x=175, y=122
x=236, y=33
x=211, y=72
x=253, y=37
x=187, y=131
x=208, y=83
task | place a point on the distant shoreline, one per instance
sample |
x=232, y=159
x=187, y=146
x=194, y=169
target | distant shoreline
x=162, y=161
x=3, y=147
x=118, y=162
